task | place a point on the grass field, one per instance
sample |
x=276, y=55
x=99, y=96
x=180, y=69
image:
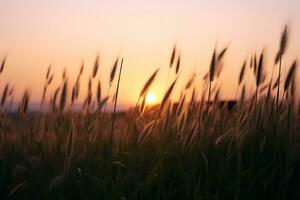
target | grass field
x=196, y=148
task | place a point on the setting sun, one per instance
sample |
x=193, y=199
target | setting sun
x=150, y=98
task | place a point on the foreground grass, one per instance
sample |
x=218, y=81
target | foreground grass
x=222, y=161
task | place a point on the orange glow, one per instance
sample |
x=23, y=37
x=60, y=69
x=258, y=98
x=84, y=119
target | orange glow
x=66, y=33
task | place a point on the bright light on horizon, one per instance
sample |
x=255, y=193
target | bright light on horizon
x=150, y=98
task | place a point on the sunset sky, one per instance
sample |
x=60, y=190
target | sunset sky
x=64, y=33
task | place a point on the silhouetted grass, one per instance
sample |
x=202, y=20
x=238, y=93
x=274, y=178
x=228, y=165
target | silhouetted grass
x=194, y=149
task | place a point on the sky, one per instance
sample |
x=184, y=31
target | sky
x=65, y=33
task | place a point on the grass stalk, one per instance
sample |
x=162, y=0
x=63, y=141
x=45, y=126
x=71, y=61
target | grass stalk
x=115, y=107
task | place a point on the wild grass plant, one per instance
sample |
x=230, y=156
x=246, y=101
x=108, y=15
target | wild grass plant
x=197, y=148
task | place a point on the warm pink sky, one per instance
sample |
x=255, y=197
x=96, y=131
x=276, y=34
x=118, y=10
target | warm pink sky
x=35, y=33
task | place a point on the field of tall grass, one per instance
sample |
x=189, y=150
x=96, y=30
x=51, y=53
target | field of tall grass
x=198, y=148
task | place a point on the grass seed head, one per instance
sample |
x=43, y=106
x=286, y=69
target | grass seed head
x=3, y=64
x=23, y=106
x=99, y=92
x=212, y=67
x=259, y=74
x=48, y=72
x=283, y=43
x=242, y=72
x=290, y=75
x=96, y=66
x=172, y=56
x=178, y=64
x=168, y=94
x=63, y=96
x=4, y=94
x=113, y=72
x=148, y=83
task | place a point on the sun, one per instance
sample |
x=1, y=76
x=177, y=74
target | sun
x=150, y=98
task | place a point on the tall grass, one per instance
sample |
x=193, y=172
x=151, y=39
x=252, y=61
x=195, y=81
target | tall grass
x=198, y=148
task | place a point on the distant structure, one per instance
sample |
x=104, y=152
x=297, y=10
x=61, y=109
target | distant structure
x=229, y=105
